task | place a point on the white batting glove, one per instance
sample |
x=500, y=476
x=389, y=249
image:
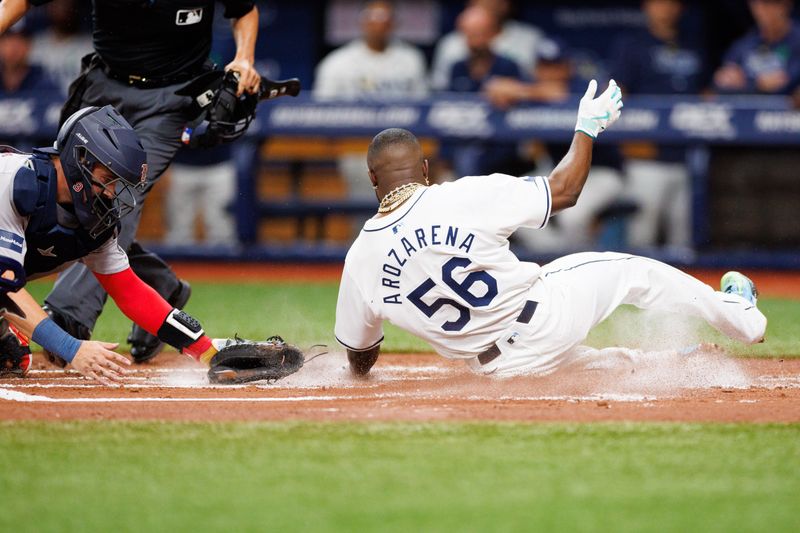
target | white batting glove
x=596, y=114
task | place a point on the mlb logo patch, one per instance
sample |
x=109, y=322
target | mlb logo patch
x=187, y=17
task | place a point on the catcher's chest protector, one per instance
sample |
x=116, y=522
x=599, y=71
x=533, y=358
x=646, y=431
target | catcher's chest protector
x=50, y=244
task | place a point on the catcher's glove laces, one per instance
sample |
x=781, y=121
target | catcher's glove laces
x=320, y=353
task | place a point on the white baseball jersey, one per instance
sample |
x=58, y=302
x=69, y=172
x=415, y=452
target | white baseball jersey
x=107, y=259
x=355, y=71
x=440, y=267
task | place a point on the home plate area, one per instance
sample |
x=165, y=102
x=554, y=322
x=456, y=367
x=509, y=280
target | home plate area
x=665, y=386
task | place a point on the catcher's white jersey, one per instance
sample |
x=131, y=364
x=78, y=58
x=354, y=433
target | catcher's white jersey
x=107, y=259
x=440, y=267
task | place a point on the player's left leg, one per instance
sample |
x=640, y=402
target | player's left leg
x=578, y=291
x=595, y=284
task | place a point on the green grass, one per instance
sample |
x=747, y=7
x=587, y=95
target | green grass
x=151, y=476
x=304, y=314
x=118, y=476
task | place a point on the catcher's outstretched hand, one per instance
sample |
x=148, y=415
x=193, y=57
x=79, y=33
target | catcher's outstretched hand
x=96, y=360
x=239, y=360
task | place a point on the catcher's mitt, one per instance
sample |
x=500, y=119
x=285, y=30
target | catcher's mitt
x=15, y=354
x=240, y=361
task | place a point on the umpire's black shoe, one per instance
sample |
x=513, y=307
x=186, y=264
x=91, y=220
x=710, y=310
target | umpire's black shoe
x=68, y=324
x=145, y=346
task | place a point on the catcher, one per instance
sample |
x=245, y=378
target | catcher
x=63, y=204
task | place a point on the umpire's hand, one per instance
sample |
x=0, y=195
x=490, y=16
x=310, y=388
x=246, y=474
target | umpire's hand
x=249, y=78
x=96, y=360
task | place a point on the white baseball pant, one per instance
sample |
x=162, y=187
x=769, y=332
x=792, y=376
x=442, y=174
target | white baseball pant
x=578, y=291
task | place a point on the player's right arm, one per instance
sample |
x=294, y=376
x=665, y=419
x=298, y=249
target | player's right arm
x=11, y=11
x=594, y=116
x=357, y=328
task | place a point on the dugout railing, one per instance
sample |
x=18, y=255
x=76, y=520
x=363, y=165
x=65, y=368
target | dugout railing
x=750, y=124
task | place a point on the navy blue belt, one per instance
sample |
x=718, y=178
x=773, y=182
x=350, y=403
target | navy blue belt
x=491, y=353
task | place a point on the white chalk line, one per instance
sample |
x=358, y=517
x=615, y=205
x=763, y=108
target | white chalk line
x=18, y=396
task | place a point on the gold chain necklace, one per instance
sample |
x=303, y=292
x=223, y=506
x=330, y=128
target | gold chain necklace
x=397, y=196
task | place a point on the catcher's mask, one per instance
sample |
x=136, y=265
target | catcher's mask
x=96, y=136
x=226, y=116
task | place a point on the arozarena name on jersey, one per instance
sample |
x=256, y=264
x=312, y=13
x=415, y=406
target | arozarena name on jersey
x=435, y=235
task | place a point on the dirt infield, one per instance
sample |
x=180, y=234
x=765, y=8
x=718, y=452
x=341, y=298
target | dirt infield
x=705, y=387
x=663, y=387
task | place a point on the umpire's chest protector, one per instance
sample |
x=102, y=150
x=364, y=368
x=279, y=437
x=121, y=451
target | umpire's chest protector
x=50, y=244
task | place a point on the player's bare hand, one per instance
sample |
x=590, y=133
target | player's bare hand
x=772, y=82
x=502, y=92
x=97, y=360
x=730, y=77
x=249, y=78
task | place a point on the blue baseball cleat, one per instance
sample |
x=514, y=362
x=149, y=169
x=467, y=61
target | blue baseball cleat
x=737, y=283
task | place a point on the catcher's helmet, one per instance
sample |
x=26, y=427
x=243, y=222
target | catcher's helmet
x=100, y=135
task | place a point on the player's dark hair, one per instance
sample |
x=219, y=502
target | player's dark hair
x=389, y=138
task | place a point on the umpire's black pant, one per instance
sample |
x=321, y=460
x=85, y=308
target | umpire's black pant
x=158, y=116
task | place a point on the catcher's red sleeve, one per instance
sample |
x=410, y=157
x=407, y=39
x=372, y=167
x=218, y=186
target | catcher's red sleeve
x=136, y=299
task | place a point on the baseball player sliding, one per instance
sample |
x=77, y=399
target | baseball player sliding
x=435, y=261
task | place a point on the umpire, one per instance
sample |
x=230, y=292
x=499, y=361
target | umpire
x=144, y=52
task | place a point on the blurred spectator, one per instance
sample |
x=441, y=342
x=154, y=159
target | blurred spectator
x=659, y=59
x=202, y=182
x=479, y=27
x=374, y=67
x=21, y=84
x=60, y=47
x=17, y=75
x=766, y=60
x=516, y=40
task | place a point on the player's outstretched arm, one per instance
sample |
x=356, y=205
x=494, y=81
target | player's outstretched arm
x=10, y=12
x=594, y=116
x=361, y=362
